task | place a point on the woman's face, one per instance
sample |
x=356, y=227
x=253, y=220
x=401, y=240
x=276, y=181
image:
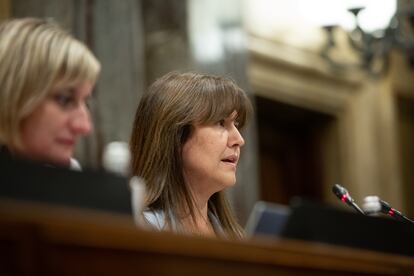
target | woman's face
x=210, y=156
x=51, y=131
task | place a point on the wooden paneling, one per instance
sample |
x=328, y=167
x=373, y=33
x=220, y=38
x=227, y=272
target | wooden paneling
x=290, y=151
x=358, y=147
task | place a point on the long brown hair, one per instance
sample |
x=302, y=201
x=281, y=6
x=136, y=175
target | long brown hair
x=163, y=122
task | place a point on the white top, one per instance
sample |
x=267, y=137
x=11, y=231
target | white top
x=74, y=165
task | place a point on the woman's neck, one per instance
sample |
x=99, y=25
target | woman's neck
x=201, y=226
x=201, y=223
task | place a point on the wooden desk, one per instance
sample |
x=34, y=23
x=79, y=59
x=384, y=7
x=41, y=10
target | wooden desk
x=50, y=240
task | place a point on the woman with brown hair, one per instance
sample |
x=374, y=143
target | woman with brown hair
x=186, y=144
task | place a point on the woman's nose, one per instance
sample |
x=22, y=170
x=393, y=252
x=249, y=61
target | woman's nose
x=81, y=122
x=236, y=139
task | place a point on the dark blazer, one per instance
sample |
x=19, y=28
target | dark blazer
x=29, y=181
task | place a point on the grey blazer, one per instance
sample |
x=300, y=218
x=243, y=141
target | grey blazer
x=156, y=219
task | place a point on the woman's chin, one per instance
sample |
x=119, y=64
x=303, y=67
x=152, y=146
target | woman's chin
x=229, y=182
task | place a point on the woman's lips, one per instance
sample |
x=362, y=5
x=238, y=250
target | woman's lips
x=231, y=160
x=66, y=141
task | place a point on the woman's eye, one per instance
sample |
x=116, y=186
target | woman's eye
x=64, y=101
x=221, y=122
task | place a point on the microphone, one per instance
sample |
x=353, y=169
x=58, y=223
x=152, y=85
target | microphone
x=344, y=196
x=373, y=204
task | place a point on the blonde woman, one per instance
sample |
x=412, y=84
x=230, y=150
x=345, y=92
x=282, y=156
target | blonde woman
x=186, y=143
x=46, y=79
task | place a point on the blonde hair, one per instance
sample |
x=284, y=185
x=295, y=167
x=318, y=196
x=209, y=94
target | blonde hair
x=36, y=55
x=163, y=122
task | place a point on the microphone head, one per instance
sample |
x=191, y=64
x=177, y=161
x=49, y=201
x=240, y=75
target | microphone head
x=344, y=196
x=339, y=191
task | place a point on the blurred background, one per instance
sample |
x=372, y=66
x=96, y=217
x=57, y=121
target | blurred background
x=331, y=81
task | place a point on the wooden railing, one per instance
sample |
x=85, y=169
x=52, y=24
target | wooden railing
x=40, y=239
